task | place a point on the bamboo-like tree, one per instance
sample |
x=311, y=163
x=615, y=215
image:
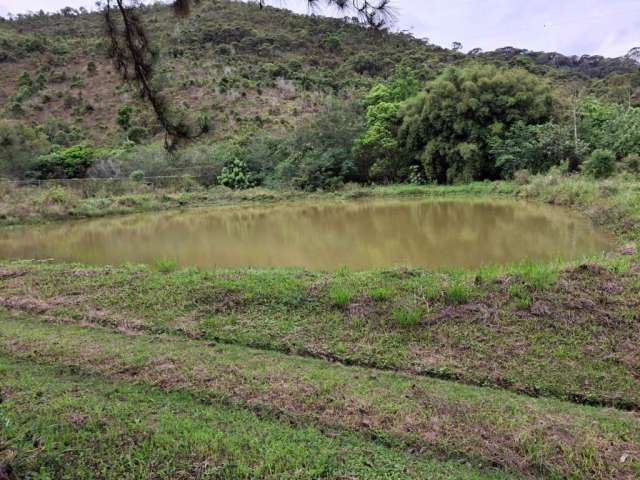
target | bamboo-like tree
x=133, y=55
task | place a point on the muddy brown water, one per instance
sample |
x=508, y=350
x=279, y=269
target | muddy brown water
x=321, y=236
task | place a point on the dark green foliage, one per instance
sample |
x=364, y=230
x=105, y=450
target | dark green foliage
x=606, y=125
x=235, y=175
x=61, y=133
x=449, y=126
x=124, y=117
x=137, y=134
x=19, y=145
x=535, y=148
x=601, y=163
x=136, y=176
x=317, y=155
x=72, y=162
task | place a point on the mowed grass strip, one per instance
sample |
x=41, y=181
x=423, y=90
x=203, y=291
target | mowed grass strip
x=56, y=424
x=535, y=437
x=544, y=330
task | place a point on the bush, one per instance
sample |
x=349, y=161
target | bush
x=235, y=175
x=137, y=176
x=631, y=164
x=448, y=128
x=137, y=134
x=601, y=163
x=124, y=117
x=73, y=162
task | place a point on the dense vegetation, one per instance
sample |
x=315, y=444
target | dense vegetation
x=314, y=105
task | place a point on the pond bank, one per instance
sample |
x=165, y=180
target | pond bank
x=530, y=370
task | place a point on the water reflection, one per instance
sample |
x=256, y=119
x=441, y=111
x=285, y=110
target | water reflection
x=322, y=236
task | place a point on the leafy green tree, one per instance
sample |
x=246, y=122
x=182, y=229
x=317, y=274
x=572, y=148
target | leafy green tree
x=449, y=126
x=318, y=155
x=535, y=148
x=595, y=119
x=376, y=151
x=610, y=126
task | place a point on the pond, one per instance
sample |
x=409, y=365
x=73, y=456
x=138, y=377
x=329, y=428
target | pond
x=321, y=236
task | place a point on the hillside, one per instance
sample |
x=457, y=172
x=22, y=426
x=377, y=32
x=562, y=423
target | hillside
x=225, y=61
x=225, y=64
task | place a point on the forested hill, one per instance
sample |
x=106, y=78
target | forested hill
x=231, y=63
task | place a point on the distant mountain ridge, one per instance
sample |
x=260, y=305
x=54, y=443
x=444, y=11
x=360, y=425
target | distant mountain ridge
x=591, y=66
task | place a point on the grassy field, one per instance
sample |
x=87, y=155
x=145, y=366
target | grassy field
x=523, y=371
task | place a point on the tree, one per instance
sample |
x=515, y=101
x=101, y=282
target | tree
x=376, y=151
x=134, y=57
x=535, y=148
x=448, y=127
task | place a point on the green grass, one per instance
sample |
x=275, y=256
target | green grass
x=453, y=421
x=407, y=317
x=166, y=265
x=499, y=329
x=60, y=424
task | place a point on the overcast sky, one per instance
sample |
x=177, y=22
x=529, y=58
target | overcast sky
x=602, y=27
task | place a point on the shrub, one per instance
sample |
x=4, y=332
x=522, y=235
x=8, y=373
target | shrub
x=136, y=176
x=72, y=162
x=58, y=195
x=137, y=134
x=522, y=177
x=235, y=175
x=19, y=146
x=601, y=163
x=631, y=164
x=124, y=117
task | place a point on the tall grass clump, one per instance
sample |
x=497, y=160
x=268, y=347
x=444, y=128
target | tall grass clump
x=406, y=317
x=166, y=265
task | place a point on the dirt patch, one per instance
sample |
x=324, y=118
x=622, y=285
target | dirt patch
x=473, y=312
x=218, y=301
x=189, y=326
x=629, y=249
x=77, y=419
x=7, y=472
x=588, y=269
x=317, y=288
x=540, y=308
x=362, y=307
x=6, y=273
x=26, y=304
